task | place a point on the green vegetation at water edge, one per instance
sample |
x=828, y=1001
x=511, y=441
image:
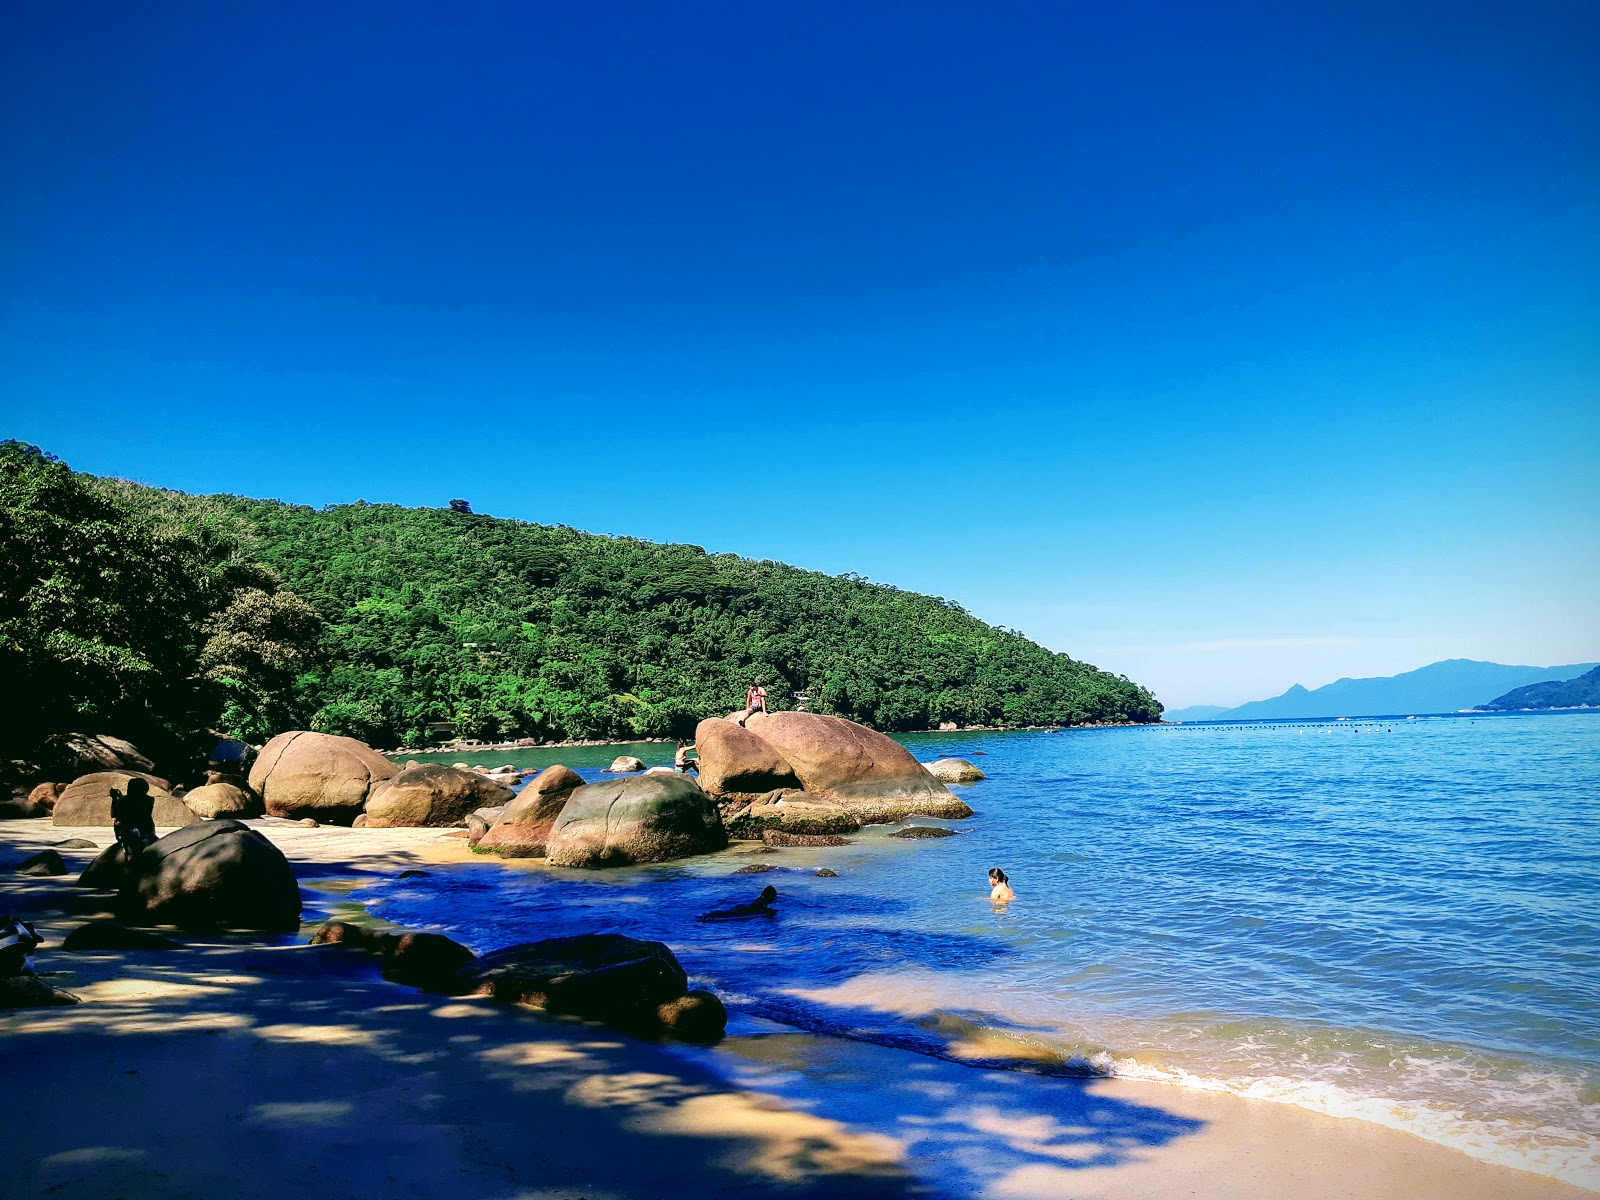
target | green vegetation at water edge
x=378, y=621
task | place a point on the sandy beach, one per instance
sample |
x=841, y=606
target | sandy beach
x=244, y=1066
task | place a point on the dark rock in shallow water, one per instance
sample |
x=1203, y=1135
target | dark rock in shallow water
x=754, y=869
x=429, y=961
x=411, y=873
x=923, y=831
x=602, y=976
x=29, y=991
x=825, y=873
x=774, y=837
x=46, y=862
x=109, y=935
x=695, y=1017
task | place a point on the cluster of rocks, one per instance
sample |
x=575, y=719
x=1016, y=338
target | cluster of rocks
x=607, y=977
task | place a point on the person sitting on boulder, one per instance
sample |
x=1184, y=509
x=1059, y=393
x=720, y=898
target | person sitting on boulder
x=755, y=700
x=681, y=762
x=761, y=906
x=133, y=816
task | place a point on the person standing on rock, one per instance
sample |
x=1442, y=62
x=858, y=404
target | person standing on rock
x=133, y=816
x=755, y=700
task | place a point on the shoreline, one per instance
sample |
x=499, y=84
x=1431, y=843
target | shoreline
x=361, y=1078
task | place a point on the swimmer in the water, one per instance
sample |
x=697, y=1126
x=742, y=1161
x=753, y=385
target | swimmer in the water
x=1000, y=886
x=761, y=906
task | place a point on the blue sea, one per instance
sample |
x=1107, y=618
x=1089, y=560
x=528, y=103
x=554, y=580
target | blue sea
x=1393, y=920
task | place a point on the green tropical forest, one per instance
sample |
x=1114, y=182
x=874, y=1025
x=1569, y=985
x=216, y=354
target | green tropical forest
x=154, y=614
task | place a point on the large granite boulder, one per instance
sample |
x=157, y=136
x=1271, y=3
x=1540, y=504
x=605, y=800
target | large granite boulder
x=734, y=759
x=87, y=801
x=523, y=829
x=602, y=976
x=623, y=764
x=431, y=794
x=212, y=875
x=645, y=818
x=302, y=774
x=954, y=770
x=873, y=776
x=792, y=812
x=69, y=755
x=45, y=795
x=224, y=796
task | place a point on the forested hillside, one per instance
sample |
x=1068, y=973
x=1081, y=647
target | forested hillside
x=376, y=620
x=1584, y=691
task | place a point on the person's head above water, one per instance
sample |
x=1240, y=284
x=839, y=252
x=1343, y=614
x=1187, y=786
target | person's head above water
x=996, y=875
x=138, y=786
x=768, y=894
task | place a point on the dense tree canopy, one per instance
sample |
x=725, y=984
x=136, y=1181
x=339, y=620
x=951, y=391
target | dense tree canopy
x=390, y=619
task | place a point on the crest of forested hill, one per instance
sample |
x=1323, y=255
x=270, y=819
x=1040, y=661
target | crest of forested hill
x=377, y=621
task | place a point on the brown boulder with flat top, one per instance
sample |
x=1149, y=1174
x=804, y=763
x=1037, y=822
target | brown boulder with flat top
x=641, y=819
x=734, y=759
x=303, y=774
x=87, y=801
x=431, y=794
x=873, y=776
x=523, y=829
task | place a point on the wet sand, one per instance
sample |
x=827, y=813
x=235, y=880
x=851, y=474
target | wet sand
x=250, y=1067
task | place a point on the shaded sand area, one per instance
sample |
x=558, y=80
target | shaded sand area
x=244, y=1067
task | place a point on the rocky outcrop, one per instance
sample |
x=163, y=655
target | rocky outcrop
x=224, y=796
x=45, y=795
x=523, y=829
x=302, y=774
x=922, y=831
x=774, y=838
x=647, y=818
x=871, y=775
x=431, y=794
x=734, y=759
x=42, y=864
x=213, y=875
x=792, y=812
x=87, y=801
x=69, y=755
x=623, y=764
x=602, y=976
x=954, y=770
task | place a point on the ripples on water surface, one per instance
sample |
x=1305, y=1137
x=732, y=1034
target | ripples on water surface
x=1395, y=920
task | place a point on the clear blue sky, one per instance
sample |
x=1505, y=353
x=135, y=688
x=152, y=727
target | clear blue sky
x=1225, y=346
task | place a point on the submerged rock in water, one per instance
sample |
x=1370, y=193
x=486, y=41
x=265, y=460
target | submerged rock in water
x=695, y=1017
x=648, y=818
x=305, y=774
x=773, y=837
x=923, y=831
x=954, y=770
x=624, y=764
x=754, y=869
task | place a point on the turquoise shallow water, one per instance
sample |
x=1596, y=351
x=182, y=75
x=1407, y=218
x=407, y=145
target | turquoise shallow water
x=1392, y=920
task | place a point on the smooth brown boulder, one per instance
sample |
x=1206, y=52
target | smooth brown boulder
x=430, y=961
x=304, y=774
x=46, y=794
x=792, y=812
x=642, y=819
x=623, y=764
x=224, y=798
x=695, y=1017
x=44, y=863
x=734, y=759
x=211, y=875
x=954, y=770
x=431, y=794
x=873, y=776
x=523, y=829
x=87, y=801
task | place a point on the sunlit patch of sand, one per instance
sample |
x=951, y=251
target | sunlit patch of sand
x=455, y=1012
x=785, y=1144
x=126, y=991
x=311, y=1112
x=534, y=1054
x=628, y=1089
x=327, y=1035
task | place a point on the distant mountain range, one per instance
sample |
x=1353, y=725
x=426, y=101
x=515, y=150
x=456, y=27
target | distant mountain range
x=1440, y=687
x=1569, y=693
